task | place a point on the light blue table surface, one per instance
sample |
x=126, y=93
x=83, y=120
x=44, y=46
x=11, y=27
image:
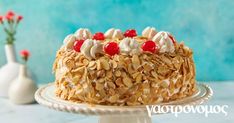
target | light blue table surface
x=35, y=113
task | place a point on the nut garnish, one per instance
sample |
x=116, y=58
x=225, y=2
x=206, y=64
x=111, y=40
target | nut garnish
x=105, y=65
x=125, y=80
x=135, y=61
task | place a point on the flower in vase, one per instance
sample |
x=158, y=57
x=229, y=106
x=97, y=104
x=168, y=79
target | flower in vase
x=24, y=55
x=19, y=18
x=1, y=19
x=11, y=26
x=10, y=16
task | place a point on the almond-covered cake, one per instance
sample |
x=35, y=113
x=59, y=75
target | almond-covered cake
x=116, y=68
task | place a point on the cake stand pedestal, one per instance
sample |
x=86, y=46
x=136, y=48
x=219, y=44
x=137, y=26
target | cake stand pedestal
x=114, y=114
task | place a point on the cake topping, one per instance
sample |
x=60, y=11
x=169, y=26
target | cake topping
x=90, y=48
x=149, y=46
x=83, y=41
x=129, y=46
x=114, y=34
x=77, y=45
x=69, y=41
x=149, y=32
x=164, y=42
x=99, y=36
x=111, y=48
x=83, y=33
x=130, y=33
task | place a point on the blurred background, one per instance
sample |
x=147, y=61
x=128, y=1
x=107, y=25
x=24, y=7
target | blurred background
x=205, y=26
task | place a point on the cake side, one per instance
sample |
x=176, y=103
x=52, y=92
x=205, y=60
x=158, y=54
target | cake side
x=126, y=78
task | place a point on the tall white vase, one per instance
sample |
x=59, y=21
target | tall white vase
x=22, y=89
x=9, y=71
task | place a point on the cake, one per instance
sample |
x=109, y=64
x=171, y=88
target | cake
x=123, y=68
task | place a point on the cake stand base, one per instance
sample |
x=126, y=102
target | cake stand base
x=115, y=114
x=125, y=119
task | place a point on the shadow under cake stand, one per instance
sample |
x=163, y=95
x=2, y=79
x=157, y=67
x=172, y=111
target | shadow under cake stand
x=115, y=114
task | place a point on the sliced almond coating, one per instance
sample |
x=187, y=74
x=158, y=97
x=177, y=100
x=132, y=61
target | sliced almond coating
x=154, y=74
x=91, y=64
x=123, y=74
x=134, y=75
x=166, y=60
x=111, y=84
x=119, y=82
x=102, y=93
x=93, y=67
x=127, y=81
x=76, y=79
x=130, y=69
x=79, y=64
x=135, y=61
x=85, y=62
x=117, y=73
x=80, y=69
x=71, y=93
x=114, y=98
x=99, y=86
x=84, y=76
x=127, y=60
x=164, y=84
x=98, y=65
x=70, y=64
x=101, y=73
x=105, y=65
x=114, y=64
x=101, y=80
x=109, y=74
x=147, y=67
x=139, y=78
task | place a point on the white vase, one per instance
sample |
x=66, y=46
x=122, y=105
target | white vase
x=9, y=71
x=22, y=89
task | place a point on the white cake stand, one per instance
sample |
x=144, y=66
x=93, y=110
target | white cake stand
x=114, y=114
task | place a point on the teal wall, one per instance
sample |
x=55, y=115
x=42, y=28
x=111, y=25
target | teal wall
x=207, y=26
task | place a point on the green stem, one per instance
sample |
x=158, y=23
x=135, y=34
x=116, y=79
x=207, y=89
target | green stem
x=10, y=30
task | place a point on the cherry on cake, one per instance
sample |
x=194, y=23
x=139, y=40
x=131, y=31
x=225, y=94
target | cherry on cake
x=123, y=68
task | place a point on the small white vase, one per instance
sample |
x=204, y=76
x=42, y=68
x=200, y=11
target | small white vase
x=22, y=89
x=9, y=71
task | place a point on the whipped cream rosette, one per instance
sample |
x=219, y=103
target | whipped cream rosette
x=114, y=34
x=149, y=32
x=164, y=42
x=91, y=47
x=83, y=33
x=129, y=46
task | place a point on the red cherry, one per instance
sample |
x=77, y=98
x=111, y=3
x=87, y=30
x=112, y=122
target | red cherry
x=99, y=36
x=149, y=46
x=77, y=45
x=130, y=33
x=172, y=38
x=111, y=48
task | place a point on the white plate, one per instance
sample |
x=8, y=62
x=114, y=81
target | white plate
x=46, y=96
